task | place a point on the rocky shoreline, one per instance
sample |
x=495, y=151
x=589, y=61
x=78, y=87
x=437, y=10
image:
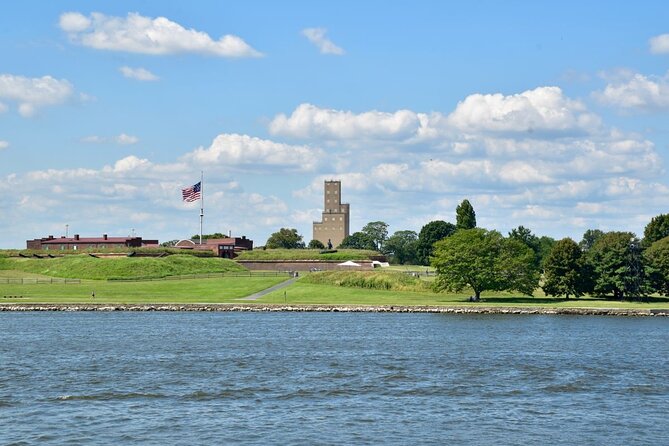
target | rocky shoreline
x=337, y=308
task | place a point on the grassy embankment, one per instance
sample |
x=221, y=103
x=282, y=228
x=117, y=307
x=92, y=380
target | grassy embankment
x=94, y=271
x=307, y=254
x=400, y=289
x=385, y=287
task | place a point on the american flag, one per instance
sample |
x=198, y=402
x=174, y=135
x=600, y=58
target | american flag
x=192, y=193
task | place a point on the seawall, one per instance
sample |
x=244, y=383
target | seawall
x=337, y=308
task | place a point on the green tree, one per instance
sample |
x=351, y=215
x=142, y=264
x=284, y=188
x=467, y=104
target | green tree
x=376, y=231
x=402, y=247
x=316, y=244
x=565, y=270
x=525, y=236
x=358, y=240
x=484, y=260
x=208, y=236
x=285, y=238
x=657, y=259
x=545, y=246
x=169, y=243
x=465, y=217
x=429, y=234
x=617, y=265
x=656, y=229
x=589, y=238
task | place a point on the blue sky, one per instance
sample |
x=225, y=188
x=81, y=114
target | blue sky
x=547, y=115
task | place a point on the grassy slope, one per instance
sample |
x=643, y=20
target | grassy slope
x=306, y=254
x=87, y=267
x=219, y=290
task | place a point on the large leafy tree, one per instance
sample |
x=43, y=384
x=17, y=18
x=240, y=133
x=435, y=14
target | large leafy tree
x=656, y=229
x=358, y=240
x=465, y=217
x=657, y=259
x=402, y=246
x=429, y=234
x=565, y=270
x=376, y=231
x=617, y=265
x=285, y=238
x=484, y=260
x=589, y=238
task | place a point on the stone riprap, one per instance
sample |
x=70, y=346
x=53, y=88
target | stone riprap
x=473, y=309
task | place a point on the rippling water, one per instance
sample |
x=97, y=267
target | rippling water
x=332, y=378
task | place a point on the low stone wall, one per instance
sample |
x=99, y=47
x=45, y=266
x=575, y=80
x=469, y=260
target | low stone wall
x=303, y=265
x=473, y=309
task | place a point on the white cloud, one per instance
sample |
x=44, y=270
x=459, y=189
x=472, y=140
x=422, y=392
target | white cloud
x=146, y=35
x=252, y=152
x=310, y=121
x=659, y=44
x=33, y=93
x=637, y=91
x=140, y=74
x=3, y=108
x=121, y=139
x=542, y=110
x=325, y=45
x=3, y=144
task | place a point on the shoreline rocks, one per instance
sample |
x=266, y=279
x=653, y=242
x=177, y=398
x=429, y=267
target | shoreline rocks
x=336, y=308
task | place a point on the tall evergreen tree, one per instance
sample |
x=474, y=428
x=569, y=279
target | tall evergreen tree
x=465, y=217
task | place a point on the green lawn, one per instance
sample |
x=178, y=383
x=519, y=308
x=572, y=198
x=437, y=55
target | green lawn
x=217, y=290
x=302, y=292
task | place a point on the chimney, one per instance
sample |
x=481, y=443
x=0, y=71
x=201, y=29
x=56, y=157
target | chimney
x=76, y=236
x=50, y=237
x=104, y=236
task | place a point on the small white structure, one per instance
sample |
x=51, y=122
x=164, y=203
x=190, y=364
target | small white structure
x=349, y=263
x=377, y=264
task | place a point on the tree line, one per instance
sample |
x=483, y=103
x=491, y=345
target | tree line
x=615, y=263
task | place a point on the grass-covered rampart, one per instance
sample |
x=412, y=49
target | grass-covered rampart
x=307, y=254
x=83, y=266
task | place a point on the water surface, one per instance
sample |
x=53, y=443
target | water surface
x=332, y=378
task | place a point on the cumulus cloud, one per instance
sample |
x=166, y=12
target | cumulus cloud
x=3, y=144
x=140, y=74
x=244, y=150
x=146, y=35
x=31, y=94
x=318, y=38
x=542, y=110
x=659, y=44
x=542, y=113
x=636, y=91
x=121, y=139
x=310, y=121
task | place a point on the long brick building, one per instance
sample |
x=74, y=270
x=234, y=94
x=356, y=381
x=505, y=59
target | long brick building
x=75, y=243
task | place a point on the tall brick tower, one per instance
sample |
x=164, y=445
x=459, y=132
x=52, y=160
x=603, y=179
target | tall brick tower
x=334, y=224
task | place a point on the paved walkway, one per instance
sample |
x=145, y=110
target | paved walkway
x=260, y=294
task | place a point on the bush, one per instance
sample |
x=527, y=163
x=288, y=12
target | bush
x=375, y=280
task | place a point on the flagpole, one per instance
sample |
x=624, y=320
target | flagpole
x=201, y=202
